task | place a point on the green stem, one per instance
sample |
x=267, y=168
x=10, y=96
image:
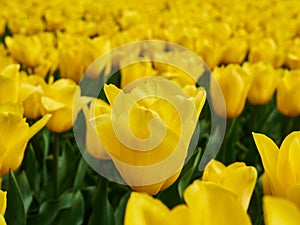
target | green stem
x=55, y=159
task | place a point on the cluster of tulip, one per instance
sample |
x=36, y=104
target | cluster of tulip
x=45, y=48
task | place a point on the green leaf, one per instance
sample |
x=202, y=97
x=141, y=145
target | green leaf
x=25, y=190
x=187, y=174
x=73, y=215
x=15, y=212
x=80, y=174
x=50, y=209
x=120, y=211
x=31, y=167
x=102, y=210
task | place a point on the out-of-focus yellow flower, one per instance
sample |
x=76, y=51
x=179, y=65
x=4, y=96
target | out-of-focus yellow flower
x=280, y=211
x=293, y=55
x=235, y=84
x=31, y=92
x=206, y=203
x=235, y=50
x=145, y=134
x=2, y=25
x=58, y=100
x=264, y=83
x=268, y=51
x=2, y=207
x=288, y=93
x=9, y=84
x=282, y=170
x=80, y=53
x=25, y=49
x=14, y=136
x=237, y=178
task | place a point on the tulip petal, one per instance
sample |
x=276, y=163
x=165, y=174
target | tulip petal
x=111, y=92
x=269, y=151
x=51, y=105
x=294, y=194
x=208, y=200
x=142, y=209
x=288, y=167
x=279, y=211
x=213, y=171
x=37, y=126
x=2, y=202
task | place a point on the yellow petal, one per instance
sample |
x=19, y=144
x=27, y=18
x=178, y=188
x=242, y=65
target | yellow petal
x=269, y=151
x=37, y=126
x=12, y=107
x=142, y=209
x=279, y=211
x=213, y=171
x=2, y=202
x=294, y=194
x=111, y=92
x=206, y=200
x=51, y=105
x=287, y=165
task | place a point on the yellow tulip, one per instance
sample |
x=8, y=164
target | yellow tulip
x=2, y=207
x=265, y=80
x=288, y=93
x=9, y=84
x=145, y=133
x=25, y=49
x=267, y=50
x=2, y=26
x=282, y=170
x=31, y=93
x=237, y=178
x=280, y=211
x=235, y=84
x=235, y=50
x=206, y=203
x=58, y=100
x=293, y=55
x=14, y=136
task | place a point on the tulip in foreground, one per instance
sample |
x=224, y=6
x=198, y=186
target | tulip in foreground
x=282, y=170
x=237, y=178
x=147, y=134
x=14, y=136
x=280, y=211
x=206, y=203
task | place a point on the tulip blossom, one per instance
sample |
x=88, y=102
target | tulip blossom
x=2, y=207
x=280, y=211
x=282, y=172
x=265, y=80
x=206, y=203
x=58, y=100
x=237, y=178
x=235, y=50
x=288, y=93
x=25, y=49
x=147, y=134
x=235, y=84
x=14, y=136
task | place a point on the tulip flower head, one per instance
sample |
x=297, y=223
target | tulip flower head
x=282, y=171
x=148, y=131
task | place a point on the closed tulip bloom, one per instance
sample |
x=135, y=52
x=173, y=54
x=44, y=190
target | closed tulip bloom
x=282, y=171
x=9, y=84
x=2, y=207
x=237, y=178
x=280, y=211
x=31, y=92
x=267, y=50
x=293, y=55
x=264, y=83
x=206, y=203
x=14, y=136
x=234, y=83
x=148, y=137
x=288, y=93
x=235, y=50
x=26, y=50
x=58, y=100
